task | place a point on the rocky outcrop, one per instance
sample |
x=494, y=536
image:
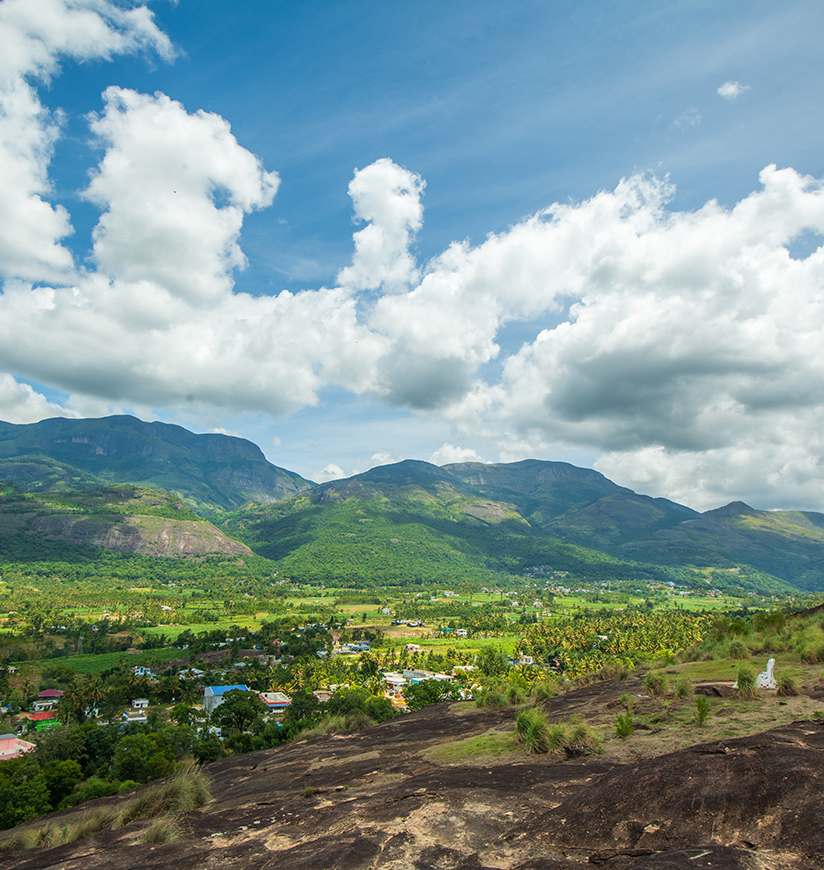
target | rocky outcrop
x=381, y=798
x=144, y=535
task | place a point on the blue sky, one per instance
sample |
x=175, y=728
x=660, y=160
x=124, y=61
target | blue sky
x=537, y=273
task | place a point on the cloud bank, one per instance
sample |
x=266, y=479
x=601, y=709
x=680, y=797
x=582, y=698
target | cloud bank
x=688, y=352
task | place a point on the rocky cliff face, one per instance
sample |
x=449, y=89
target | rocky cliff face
x=125, y=519
x=146, y=536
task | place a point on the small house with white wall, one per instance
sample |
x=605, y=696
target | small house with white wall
x=213, y=696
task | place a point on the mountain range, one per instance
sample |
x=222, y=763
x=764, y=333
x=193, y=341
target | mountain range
x=409, y=522
x=210, y=472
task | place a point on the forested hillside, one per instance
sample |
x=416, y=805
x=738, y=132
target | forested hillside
x=211, y=472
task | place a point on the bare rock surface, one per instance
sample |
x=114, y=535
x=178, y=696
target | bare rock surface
x=380, y=798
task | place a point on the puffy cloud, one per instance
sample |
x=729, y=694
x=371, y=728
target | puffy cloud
x=449, y=453
x=732, y=90
x=34, y=35
x=22, y=404
x=159, y=181
x=136, y=343
x=332, y=471
x=385, y=458
x=694, y=342
x=389, y=198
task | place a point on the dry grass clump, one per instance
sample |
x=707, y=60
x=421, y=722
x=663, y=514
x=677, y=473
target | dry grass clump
x=787, y=685
x=656, y=683
x=746, y=682
x=683, y=687
x=355, y=721
x=615, y=671
x=164, y=829
x=187, y=790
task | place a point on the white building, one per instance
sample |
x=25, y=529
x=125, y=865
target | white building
x=213, y=696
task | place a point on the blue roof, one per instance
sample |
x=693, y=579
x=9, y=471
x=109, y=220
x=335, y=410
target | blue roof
x=221, y=690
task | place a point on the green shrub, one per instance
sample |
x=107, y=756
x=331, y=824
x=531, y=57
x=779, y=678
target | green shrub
x=656, y=682
x=556, y=737
x=546, y=689
x=582, y=734
x=494, y=698
x=738, y=650
x=702, y=709
x=515, y=696
x=623, y=725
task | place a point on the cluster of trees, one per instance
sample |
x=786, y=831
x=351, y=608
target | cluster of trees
x=591, y=639
x=78, y=763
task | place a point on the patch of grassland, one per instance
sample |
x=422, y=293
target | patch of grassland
x=490, y=745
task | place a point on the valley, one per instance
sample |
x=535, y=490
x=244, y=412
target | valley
x=469, y=628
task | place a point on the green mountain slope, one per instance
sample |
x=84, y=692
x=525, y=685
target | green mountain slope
x=211, y=472
x=576, y=504
x=125, y=519
x=411, y=523
x=786, y=544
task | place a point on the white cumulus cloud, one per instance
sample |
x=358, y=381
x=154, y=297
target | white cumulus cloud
x=21, y=404
x=332, y=471
x=732, y=90
x=34, y=36
x=158, y=183
x=446, y=454
x=389, y=198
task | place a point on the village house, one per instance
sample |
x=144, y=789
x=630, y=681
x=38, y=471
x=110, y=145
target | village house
x=417, y=676
x=213, y=696
x=11, y=746
x=48, y=699
x=394, y=681
x=41, y=721
x=276, y=702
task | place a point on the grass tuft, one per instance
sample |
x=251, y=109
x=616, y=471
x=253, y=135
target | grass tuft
x=164, y=829
x=656, y=682
x=787, y=685
x=746, y=681
x=683, y=688
x=533, y=731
